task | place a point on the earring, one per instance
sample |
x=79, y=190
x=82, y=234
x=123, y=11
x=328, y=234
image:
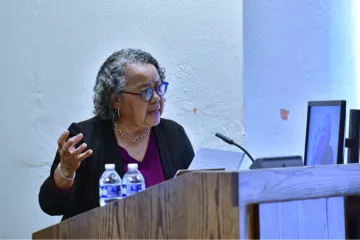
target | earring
x=118, y=112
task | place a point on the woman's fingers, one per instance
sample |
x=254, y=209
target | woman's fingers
x=62, y=138
x=77, y=138
x=84, y=155
x=70, y=157
x=67, y=145
x=72, y=142
x=80, y=149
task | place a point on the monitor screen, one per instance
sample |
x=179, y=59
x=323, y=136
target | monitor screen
x=325, y=133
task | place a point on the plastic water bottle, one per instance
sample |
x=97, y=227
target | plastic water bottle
x=109, y=185
x=133, y=181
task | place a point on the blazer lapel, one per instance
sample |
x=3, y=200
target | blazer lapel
x=163, y=152
x=111, y=149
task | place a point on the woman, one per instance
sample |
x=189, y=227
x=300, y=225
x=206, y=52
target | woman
x=127, y=128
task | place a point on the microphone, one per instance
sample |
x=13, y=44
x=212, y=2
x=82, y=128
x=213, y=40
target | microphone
x=231, y=142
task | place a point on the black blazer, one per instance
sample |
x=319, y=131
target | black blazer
x=174, y=148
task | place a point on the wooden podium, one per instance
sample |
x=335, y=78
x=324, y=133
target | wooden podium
x=300, y=202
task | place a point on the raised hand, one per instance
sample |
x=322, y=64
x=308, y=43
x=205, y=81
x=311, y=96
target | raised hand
x=70, y=158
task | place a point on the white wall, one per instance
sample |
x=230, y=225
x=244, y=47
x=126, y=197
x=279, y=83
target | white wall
x=356, y=39
x=50, y=54
x=294, y=51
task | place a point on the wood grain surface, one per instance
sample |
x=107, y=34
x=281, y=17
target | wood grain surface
x=284, y=184
x=305, y=219
x=196, y=205
x=302, y=202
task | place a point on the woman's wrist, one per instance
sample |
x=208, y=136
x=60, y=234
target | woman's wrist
x=60, y=181
x=65, y=174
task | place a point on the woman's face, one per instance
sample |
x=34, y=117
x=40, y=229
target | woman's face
x=134, y=111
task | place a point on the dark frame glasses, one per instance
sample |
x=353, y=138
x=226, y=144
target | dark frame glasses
x=147, y=93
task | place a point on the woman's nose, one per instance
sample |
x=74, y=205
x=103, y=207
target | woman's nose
x=155, y=96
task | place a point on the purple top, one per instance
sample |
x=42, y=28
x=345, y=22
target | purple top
x=150, y=167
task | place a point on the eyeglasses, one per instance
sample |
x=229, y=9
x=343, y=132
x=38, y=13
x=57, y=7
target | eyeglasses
x=148, y=93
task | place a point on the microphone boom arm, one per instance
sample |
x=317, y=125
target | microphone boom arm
x=246, y=152
x=231, y=142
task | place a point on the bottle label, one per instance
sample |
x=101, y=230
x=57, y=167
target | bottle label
x=123, y=190
x=132, y=188
x=110, y=191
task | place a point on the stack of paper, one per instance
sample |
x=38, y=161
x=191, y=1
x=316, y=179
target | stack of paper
x=206, y=158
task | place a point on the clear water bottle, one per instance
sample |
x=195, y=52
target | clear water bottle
x=133, y=181
x=109, y=185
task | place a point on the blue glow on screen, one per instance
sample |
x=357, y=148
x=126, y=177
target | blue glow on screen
x=323, y=135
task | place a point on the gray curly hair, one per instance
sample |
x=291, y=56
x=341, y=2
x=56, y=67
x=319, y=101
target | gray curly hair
x=111, y=78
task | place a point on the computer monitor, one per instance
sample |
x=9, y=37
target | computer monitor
x=325, y=129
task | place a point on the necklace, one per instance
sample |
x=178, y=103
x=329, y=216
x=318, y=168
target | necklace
x=134, y=139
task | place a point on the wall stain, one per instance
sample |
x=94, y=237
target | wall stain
x=284, y=114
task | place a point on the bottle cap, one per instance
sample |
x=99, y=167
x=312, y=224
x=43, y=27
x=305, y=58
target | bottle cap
x=132, y=166
x=109, y=166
